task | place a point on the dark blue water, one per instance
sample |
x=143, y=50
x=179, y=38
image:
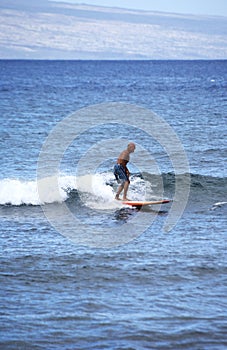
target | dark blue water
x=152, y=290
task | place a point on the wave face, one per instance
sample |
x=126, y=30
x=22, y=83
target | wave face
x=101, y=188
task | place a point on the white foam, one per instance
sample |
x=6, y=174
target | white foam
x=16, y=192
x=19, y=192
x=94, y=189
x=219, y=204
x=96, y=185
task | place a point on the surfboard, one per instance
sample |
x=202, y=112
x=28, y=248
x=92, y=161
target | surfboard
x=143, y=203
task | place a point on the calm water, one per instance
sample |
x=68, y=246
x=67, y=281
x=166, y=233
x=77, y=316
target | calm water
x=161, y=290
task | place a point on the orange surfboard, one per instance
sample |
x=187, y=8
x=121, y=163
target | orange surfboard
x=142, y=203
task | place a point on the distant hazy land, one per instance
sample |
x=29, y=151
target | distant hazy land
x=53, y=30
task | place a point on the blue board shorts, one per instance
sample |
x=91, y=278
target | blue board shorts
x=120, y=174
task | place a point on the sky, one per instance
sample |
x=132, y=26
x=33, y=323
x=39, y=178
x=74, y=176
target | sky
x=196, y=7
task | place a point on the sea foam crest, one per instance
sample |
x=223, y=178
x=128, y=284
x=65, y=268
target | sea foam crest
x=19, y=192
x=25, y=192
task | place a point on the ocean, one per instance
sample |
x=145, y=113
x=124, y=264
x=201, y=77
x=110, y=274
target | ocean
x=80, y=270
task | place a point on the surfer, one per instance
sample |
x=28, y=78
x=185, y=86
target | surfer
x=121, y=171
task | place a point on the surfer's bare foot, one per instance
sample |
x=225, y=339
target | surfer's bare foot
x=117, y=197
x=126, y=199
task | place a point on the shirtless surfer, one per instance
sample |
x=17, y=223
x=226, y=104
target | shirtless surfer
x=121, y=171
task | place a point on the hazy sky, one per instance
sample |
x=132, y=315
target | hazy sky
x=206, y=7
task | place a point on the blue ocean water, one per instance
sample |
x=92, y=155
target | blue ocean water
x=161, y=290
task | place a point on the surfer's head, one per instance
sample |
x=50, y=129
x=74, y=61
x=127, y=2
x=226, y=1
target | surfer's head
x=131, y=147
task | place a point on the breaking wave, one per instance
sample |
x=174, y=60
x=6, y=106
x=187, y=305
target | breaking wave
x=101, y=187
